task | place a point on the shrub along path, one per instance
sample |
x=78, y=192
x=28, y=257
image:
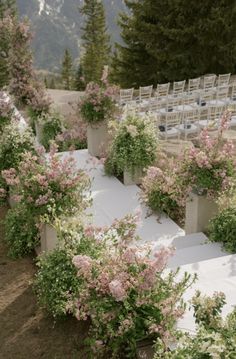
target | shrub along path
x=25, y=330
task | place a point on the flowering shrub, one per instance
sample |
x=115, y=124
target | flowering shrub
x=210, y=168
x=56, y=282
x=223, y=229
x=164, y=191
x=13, y=145
x=22, y=234
x=6, y=110
x=126, y=295
x=50, y=187
x=215, y=337
x=98, y=104
x=207, y=169
x=74, y=134
x=134, y=145
x=51, y=127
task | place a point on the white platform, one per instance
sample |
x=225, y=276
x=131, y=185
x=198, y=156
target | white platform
x=215, y=269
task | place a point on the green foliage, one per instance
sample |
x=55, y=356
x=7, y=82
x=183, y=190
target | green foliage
x=79, y=79
x=7, y=7
x=223, y=229
x=214, y=337
x=56, y=281
x=166, y=41
x=22, y=234
x=134, y=146
x=95, y=40
x=52, y=127
x=13, y=145
x=67, y=70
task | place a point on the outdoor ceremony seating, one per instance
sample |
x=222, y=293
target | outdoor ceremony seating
x=223, y=80
x=178, y=87
x=145, y=93
x=194, y=84
x=209, y=81
x=126, y=95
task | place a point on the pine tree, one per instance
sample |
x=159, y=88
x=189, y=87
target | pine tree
x=67, y=70
x=79, y=79
x=96, y=41
x=175, y=39
x=7, y=9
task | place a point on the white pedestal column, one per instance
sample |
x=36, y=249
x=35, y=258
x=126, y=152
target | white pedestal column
x=49, y=239
x=132, y=178
x=199, y=211
x=97, y=137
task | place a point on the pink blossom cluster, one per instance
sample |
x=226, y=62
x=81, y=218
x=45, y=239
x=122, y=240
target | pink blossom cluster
x=120, y=286
x=98, y=103
x=46, y=183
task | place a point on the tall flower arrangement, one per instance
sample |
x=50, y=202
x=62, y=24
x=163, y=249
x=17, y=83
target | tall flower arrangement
x=98, y=103
x=128, y=298
x=49, y=186
x=210, y=168
x=134, y=145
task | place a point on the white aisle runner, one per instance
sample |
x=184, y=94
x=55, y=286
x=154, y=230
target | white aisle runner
x=215, y=269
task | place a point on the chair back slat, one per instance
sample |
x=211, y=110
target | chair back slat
x=223, y=79
x=178, y=87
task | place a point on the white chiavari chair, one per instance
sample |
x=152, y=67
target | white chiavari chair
x=126, y=95
x=209, y=82
x=189, y=126
x=223, y=79
x=178, y=87
x=145, y=93
x=194, y=84
x=168, y=125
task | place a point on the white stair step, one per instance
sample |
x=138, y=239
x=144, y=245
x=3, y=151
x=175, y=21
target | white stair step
x=222, y=267
x=190, y=240
x=196, y=254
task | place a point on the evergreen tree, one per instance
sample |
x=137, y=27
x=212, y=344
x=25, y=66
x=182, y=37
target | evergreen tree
x=67, y=70
x=79, y=79
x=7, y=9
x=175, y=39
x=96, y=41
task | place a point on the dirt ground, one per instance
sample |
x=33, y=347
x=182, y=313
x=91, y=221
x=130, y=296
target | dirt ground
x=25, y=330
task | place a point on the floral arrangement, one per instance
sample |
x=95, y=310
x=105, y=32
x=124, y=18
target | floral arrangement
x=74, y=134
x=164, y=191
x=127, y=298
x=52, y=126
x=214, y=338
x=222, y=228
x=49, y=186
x=13, y=146
x=98, y=103
x=22, y=232
x=210, y=168
x=125, y=294
x=134, y=145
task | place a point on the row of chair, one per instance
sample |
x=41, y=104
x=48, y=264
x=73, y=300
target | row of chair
x=163, y=90
x=189, y=123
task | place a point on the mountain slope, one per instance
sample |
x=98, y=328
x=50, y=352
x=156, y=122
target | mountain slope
x=57, y=25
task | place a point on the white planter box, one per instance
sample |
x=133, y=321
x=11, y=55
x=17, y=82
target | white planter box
x=132, y=178
x=199, y=211
x=97, y=137
x=11, y=201
x=39, y=131
x=49, y=240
